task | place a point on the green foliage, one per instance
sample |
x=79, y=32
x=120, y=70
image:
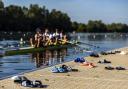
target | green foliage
x=1, y=5
x=96, y=26
x=117, y=27
x=59, y=20
x=81, y=28
x=17, y=18
x=75, y=26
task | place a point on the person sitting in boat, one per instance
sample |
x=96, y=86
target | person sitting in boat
x=46, y=33
x=37, y=39
x=60, y=36
x=64, y=39
x=43, y=41
x=56, y=34
x=49, y=40
x=56, y=37
x=48, y=37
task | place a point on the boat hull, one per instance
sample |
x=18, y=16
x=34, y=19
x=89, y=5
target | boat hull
x=32, y=50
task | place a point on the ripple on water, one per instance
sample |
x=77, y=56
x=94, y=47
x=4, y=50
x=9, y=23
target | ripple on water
x=8, y=62
x=22, y=69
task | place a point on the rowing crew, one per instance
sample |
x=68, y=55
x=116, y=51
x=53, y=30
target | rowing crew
x=45, y=39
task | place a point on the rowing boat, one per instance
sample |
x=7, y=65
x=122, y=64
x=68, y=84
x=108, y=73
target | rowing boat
x=25, y=50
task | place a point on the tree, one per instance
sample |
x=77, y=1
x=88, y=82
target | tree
x=96, y=26
x=75, y=26
x=60, y=20
x=1, y=5
x=17, y=18
x=1, y=13
x=117, y=27
x=81, y=28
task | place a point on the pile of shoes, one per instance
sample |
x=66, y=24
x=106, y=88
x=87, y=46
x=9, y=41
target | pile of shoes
x=116, y=68
x=109, y=52
x=94, y=54
x=104, y=61
x=80, y=60
x=19, y=79
x=62, y=69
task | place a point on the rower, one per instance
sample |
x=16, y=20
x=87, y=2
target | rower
x=56, y=37
x=60, y=36
x=56, y=34
x=64, y=40
x=46, y=33
x=38, y=37
x=47, y=36
x=48, y=42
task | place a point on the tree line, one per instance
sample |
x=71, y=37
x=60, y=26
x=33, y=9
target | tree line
x=17, y=18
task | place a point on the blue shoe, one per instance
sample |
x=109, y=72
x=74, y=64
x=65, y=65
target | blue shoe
x=81, y=60
x=54, y=70
x=77, y=60
x=61, y=70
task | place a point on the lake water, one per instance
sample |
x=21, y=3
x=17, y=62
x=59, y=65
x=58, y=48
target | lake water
x=10, y=65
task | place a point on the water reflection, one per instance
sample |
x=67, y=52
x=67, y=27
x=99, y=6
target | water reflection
x=21, y=63
x=96, y=37
x=49, y=58
x=101, y=36
x=15, y=35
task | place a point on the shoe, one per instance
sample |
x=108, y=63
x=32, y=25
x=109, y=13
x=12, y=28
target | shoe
x=54, y=70
x=120, y=68
x=105, y=61
x=80, y=60
x=61, y=70
x=109, y=68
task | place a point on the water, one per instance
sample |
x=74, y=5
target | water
x=10, y=65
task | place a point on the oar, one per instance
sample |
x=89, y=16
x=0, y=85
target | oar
x=89, y=44
x=77, y=44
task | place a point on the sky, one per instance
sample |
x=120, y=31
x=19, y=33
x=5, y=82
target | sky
x=108, y=11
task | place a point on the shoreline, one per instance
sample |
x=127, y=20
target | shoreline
x=94, y=78
x=29, y=71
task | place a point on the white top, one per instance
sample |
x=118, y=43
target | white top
x=55, y=34
x=50, y=36
x=46, y=34
x=61, y=35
